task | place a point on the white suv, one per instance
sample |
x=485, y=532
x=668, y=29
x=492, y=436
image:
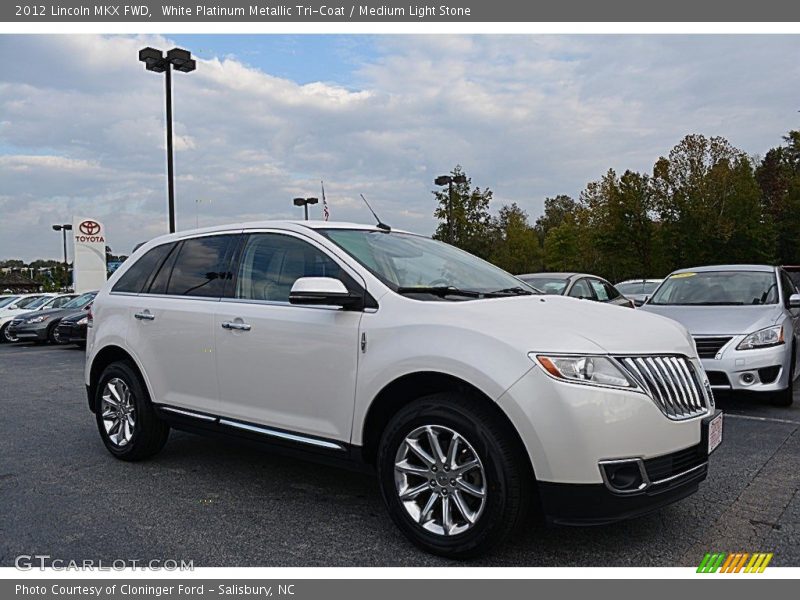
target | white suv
x=472, y=396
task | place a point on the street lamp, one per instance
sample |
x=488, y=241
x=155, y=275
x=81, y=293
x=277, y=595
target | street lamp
x=154, y=60
x=64, y=229
x=449, y=181
x=304, y=202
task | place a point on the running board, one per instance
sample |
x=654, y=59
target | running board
x=270, y=432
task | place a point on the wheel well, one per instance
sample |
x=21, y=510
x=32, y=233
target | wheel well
x=106, y=356
x=410, y=387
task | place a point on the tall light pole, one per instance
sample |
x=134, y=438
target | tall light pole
x=154, y=60
x=64, y=229
x=449, y=180
x=304, y=202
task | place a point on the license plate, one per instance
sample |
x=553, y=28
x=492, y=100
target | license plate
x=714, y=433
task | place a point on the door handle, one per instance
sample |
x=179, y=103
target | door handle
x=145, y=315
x=236, y=326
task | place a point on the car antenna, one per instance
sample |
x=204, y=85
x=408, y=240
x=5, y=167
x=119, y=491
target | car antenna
x=381, y=225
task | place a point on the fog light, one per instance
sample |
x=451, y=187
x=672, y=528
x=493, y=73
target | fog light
x=747, y=378
x=623, y=476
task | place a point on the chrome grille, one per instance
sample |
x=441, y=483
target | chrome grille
x=671, y=382
x=707, y=347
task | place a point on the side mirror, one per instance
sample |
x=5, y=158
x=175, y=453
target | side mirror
x=324, y=291
x=794, y=301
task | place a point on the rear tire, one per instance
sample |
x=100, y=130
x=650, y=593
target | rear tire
x=125, y=417
x=502, y=473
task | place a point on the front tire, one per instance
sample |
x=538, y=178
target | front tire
x=53, y=336
x=5, y=334
x=453, y=475
x=125, y=417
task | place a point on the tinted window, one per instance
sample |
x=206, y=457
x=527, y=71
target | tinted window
x=581, y=290
x=26, y=302
x=137, y=276
x=160, y=281
x=59, y=302
x=80, y=301
x=271, y=263
x=201, y=267
x=549, y=285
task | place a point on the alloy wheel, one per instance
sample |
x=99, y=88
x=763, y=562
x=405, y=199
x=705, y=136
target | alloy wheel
x=118, y=411
x=440, y=480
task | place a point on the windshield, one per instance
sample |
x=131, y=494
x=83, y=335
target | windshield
x=406, y=261
x=80, y=301
x=7, y=301
x=39, y=302
x=27, y=302
x=637, y=287
x=718, y=288
x=549, y=285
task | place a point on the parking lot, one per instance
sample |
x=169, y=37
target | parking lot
x=221, y=504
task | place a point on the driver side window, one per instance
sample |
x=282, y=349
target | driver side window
x=272, y=262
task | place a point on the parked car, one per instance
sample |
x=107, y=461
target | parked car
x=638, y=290
x=745, y=323
x=42, y=326
x=57, y=301
x=469, y=393
x=72, y=328
x=577, y=285
x=11, y=307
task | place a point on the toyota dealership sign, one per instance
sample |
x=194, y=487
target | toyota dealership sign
x=90, y=254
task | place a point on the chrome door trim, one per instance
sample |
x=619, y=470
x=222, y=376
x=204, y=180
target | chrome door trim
x=284, y=435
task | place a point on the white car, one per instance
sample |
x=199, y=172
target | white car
x=16, y=304
x=468, y=393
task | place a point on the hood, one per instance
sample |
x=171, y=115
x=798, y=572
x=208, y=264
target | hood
x=75, y=316
x=569, y=325
x=52, y=312
x=716, y=320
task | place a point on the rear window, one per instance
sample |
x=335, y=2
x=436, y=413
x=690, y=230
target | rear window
x=136, y=277
x=201, y=267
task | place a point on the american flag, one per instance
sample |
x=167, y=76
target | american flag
x=325, y=212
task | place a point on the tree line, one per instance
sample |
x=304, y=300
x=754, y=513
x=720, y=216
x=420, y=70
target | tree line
x=706, y=202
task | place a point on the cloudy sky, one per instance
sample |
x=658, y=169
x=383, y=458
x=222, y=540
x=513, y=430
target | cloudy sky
x=265, y=118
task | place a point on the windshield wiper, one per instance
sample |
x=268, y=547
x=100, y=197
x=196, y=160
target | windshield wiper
x=512, y=291
x=440, y=290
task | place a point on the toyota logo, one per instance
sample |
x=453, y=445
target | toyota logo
x=89, y=227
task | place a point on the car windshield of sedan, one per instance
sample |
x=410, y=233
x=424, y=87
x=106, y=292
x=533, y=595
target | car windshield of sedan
x=718, y=288
x=39, y=302
x=6, y=301
x=548, y=285
x=80, y=301
x=410, y=264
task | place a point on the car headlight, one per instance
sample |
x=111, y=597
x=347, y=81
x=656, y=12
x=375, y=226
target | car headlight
x=83, y=321
x=40, y=319
x=593, y=370
x=771, y=336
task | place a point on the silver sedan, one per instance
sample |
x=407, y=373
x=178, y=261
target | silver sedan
x=745, y=320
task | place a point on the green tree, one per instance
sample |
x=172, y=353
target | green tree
x=471, y=225
x=515, y=244
x=555, y=211
x=778, y=176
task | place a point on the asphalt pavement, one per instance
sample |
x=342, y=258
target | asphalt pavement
x=219, y=503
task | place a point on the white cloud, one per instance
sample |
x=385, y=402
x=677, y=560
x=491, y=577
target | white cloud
x=529, y=116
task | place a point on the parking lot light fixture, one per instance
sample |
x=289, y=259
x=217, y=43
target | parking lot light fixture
x=304, y=202
x=154, y=60
x=64, y=229
x=449, y=180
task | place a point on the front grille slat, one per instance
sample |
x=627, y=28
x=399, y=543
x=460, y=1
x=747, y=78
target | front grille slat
x=672, y=383
x=670, y=465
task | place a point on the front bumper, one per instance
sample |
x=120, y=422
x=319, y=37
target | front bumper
x=758, y=370
x=30, y=331
x=72, y=333
x=568, y=429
